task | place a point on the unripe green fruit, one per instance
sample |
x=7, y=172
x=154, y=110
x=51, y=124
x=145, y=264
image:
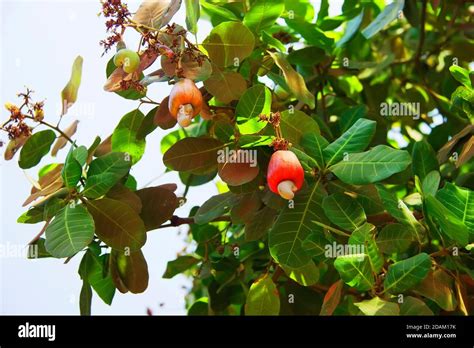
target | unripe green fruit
x=127, y=59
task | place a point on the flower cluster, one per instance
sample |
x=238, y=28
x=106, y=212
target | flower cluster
x=118, y=16
x=16, y=126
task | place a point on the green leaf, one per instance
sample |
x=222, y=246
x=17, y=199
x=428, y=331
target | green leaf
x=37, y=250
x=377, y=306
x=294, y=225
x=356, y=139
x=398, y=209
x=131, y=268
x=125, y=136
x=312, y=34
x=438, y=287
x=413, y=306
x=272, y=42
x=32, y=216
x=451, y=226
x=307, y=56
x=315, y=245
x=171, y=138
x=194, y=155
x=229, y=43
x=294, y=80
x=94, y=270
x=181, y=264
x=461, y=75
x=117, y=224
x=148, y=124
x=255, y=101
x=71, y=230
x=460, y=201
x=306, y=275
x=371, y=166
x=72, y=171
x=365, y=236
x=351, y=115
x=200, y=307
x=389, y=13
x=192, y=15
x=80, y=154
x=424, y=159
x=218, y=13
x=85, y=299
x=263, y=298
x=104, y=172
x=430, y=183
x=263, y=14
x=314, y=144
x=35, y=148
x=366, y=195
x=215, y=207
x=158, y=206
x=355, y=271
x=394, y=238
x=204, y=233
x=351, y=29
x=344, y=211
x=375, y=256
x=462, y=101
x=404, y=275
x=116, y=163
x=69, y=93
x=295, y=124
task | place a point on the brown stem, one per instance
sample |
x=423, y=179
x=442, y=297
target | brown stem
x=177, y=221
x=386, y=218
x=38, y=236
x=277, y=274
x=44, y=123
x=422, y=33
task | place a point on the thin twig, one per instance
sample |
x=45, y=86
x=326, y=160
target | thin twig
x=422, y=33
x=178, y=221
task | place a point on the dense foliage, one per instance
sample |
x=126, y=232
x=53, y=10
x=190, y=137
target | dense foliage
x=376, y=104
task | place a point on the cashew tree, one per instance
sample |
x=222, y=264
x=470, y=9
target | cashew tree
x=341, y=147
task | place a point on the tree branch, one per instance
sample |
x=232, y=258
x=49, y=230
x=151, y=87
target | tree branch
x=386, y=218
x=44, y=123
x=178, y=221
x=422, y=33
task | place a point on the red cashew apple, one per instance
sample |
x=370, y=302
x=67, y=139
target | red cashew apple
x=285, y=174
x=185, y=101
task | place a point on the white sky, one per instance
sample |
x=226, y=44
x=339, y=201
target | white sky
x=39, y=41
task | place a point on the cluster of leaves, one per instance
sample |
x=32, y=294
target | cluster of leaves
x=408, y=212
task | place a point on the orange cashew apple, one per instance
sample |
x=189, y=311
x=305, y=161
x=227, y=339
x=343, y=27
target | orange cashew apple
x=185, y=101
x=285, y=174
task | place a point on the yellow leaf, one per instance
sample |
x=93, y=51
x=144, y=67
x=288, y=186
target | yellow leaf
x=69, y=93
x=294, y=80
x=62, y=141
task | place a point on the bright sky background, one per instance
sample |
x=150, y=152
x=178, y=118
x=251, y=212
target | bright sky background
x=39, y=41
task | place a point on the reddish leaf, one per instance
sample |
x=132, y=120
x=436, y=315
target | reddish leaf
x=332, y=298
x=163, y=118
x=158, y=206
